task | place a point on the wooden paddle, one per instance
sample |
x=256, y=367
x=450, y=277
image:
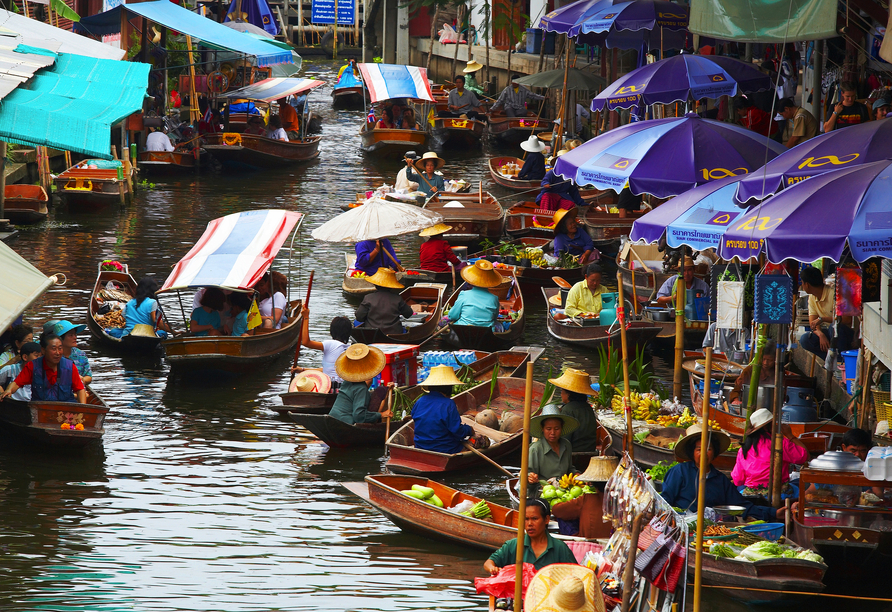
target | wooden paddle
x=389, y=404
x=561, y=282
x=471, y=448
x=307, y=304
x=393, y=259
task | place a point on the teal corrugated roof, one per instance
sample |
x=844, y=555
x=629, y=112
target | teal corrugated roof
x=72, y=105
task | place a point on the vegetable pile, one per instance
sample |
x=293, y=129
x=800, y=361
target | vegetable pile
x=659, y=471
x=762, y=550
x=479, y=510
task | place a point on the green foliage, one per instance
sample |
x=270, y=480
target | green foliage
x=493, y=383
x=610, y=374
x=378, y=60
x=548, y=392
x=516, y=25
x=638, y=371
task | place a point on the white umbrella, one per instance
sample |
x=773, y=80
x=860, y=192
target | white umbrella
x=376, y=219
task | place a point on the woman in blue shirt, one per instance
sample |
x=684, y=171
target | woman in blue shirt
x=534, y=165
x=477, y=306
x=206, y=318
x=438, y=426
x=143, y=309
x=568, y=238
x=241, y=304
x=428, y=180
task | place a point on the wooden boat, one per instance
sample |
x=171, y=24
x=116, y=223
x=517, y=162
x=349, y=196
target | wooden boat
x=171, y=162
x=480, y=338
x=533, y=275
x=357, y=286
x=479, y=217
x=42, y=421
x=257, y=152
x=413, y=515
x=338, y=434
x=607, y=228
x=638, y=333
x=429, y=298
x=506, y=397
x=391, y=142
x=306, y=402
x=25, y=204
x=525, y=185
x=463, y=133
x=239, y=121
x=84, y=187
x=525, y=219
x=694, y=331
x=648, y=455
x=347, y=97
x=515, y=130
x=139, y=344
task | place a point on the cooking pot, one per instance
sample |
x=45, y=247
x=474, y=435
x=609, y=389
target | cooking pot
x=659, y=314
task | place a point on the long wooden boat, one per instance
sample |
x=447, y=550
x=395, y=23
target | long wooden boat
x=525, y=219
x=506, y=397
x=495, y=163
x=84, y=187
x=347, y=97
x=607, y=228
x=463, y=133
x=648, y=455
x=338, y=434
x=694, y=331
x=382, y=491
x=25, y=204
x=235, y=354
x=137, y=344
x=258, y=152
x=515, y=130
x=481, y=338
x=239, y=121
x=42, y=421
x=357, y=286
x=429, y=297
x=638, y=333
x=391, y=142
x=478, y=216
x=306, y=402
x=171, y=162
x=533, y=275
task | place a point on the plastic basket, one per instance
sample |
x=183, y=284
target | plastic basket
x=769, y=531
x=884, y=408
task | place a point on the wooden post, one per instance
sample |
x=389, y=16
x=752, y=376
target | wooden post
x=2, y=178
x=457, y=41
x=627, y=407
x=510, y=39
x=629, y=570
x=430, y=52
x=522, y=480
x=757, y=372
x=680, y=294
x=165, y=89
x=143, y=41
x=556, y=145
x=864, y=413
x=777, y=454
x=701, y=492
x=193, y=97
x=121, y=195
x=334, y=42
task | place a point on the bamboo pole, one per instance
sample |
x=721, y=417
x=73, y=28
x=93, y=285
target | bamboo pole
x=757, y=373
x=430, y=51
x=457, y=43
x=627, y=407
x=556, y=146
x=193, y=97
x=777, y=433
x=2, y=178
x=864, y=414
x=524, y=472
x=334, y=41
x=701, y=492
x=680, y=294
x=629, y=570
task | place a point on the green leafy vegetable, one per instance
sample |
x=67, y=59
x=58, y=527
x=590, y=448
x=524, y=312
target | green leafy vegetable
x=659, y=471
x=762, y=550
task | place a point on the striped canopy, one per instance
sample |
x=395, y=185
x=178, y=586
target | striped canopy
x=234, y=251
x=388, y=81
x=268, y=90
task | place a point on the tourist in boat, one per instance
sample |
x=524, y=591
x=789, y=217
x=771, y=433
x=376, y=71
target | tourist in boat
x=568, y=238
x=143, y=310
x=397, y=110
x=435, y=253
x=290, y=119
x=682, y=482
x=205, y=320
x=822, y=314
x=272, y=287
x=68, y=331
x=438, y=426
x=469, y=71
x=477, y=306
x=275, y=130
x=585, y=297
x=8, y=373
x=53, y=378
x=539, y=547
x=513, y=99
x=427, y=178
x=211, y=123
x=374, y=254
x=551, y=455
x=752, y=470
x=461, y=101
x=18, y=336
x=339, y=329
x=240, y=304
x=386, y=122
x=575, y=386
x=254, y=126
x=669, y=289
x=382, y=308
x=533, y=168
x=402, y=184
x=557, y=192
x=158, y=140
x=409, y=121
x=357, y=367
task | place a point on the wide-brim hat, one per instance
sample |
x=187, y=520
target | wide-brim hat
x=302, y=384
x=441, y=375
x=533, y=145
x=481, y=274
x=689, y=262
x=759, y=419
x=599, y=469
x=559, y=215
x=50, y=326
x=419, y=165
x=573, y=380
x=684, y=448
x=320, y=380
x=143, y=330
x=473, y=66
x=63, y=327
x=552, y=411
x=564, y=587
x=435, y=230
x=360, y=362
x=385, y=277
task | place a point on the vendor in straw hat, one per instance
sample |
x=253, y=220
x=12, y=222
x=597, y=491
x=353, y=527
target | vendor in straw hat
x=682, y=482
x=564, y=588
x=570, y=239
x=477, y=306
x=470, y=72
x=435, y=253
x=382, y=308
x=357, y=367
x=424, y=172
x=558, y=192
x=374, y=254
x=575, y=386
x=551, y=454
x=539, y=547
x=669, y=289
x=753, y=466
x=534, y=163
x=438, y=426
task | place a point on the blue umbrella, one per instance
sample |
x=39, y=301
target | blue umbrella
x=255, y=12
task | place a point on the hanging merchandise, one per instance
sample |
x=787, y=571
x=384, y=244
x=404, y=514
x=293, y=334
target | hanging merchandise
x=730, y=302
x=870, y=279
x=773, y=299
x=848, y=292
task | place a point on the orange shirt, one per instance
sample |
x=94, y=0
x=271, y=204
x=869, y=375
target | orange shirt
x=290, y=120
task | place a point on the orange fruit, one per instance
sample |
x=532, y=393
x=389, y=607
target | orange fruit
x=79, y=427
x=66, y=426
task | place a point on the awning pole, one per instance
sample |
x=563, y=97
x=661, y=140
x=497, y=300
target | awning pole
x=2, y=178
x=193, y=97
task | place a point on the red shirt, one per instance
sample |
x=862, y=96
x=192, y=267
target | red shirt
x=435, y=253
x=759, y=121
x=27, y=375
x=290, y=120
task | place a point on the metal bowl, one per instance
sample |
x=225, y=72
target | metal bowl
x=837, y=461
x=730, y=510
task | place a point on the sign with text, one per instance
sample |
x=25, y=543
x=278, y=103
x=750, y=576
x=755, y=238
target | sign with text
x=324, y=12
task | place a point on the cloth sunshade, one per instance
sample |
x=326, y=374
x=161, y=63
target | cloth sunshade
x=348, y=79
x=21, y=285
x=255, y=12
x=268, y=90
x=764, y=20
x=577, y=80
x=15, y=26
x=376, y=219
x=234, y=251
x=388, y=81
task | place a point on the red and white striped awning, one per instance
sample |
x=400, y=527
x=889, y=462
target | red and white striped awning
x=388, y=81
x=268, y=90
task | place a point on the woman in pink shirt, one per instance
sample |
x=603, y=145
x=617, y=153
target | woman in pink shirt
x=753, y=467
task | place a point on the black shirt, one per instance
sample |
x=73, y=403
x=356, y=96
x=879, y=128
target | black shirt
x=852, y=115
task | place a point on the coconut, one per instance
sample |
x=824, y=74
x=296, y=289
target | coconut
x=487, y=418
x=511, y=423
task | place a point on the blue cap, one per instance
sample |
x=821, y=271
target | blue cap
x=63, y=327
x=881, y=102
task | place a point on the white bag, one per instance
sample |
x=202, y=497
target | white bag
x=448, y=34
x=729, y=298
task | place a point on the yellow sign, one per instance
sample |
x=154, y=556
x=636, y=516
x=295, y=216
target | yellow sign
x=460, y=124
x=672, y=16
x=254, y=319
x=760, y=223
x=817, y=162
x=718, y=78
x=627, y=89
x=720, y=173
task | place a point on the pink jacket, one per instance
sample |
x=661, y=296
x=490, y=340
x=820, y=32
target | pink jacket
x=754, y=469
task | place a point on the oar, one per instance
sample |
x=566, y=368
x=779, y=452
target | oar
x=393, y=259
x=306, y=303
x=434, y=335
x=471, y=448
x=389, y=404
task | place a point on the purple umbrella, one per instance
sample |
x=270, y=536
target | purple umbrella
x=682, y=78
x=859, y=144
x=666, y=157
x=815, y=218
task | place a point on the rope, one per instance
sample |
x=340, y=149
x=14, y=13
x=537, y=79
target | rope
x=851, y=597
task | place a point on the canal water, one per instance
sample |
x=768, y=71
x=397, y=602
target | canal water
x=201, y=497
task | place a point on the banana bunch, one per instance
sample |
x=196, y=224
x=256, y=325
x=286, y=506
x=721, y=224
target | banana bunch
x=479, y=510
x=536, y=256
x=686, y=419
x=645, y=406
x=568, y=481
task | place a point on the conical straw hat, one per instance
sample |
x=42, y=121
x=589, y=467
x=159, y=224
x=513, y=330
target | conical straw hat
x=482, y=274
x=360, y=362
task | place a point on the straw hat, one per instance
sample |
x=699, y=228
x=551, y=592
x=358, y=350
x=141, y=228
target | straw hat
x=319, y=378
x=360, y=362
x=688, y=262
x=441, y=375
x=564, y=587
x=419, y=165
x=302, y=384
x=573, y=380
x=439, y=228
x=481, y=274
x=552, y=411
x=554, y=157
x=684, y=448
x=599, y=469
x=559, y=215
x=533, y=145
x=385, y=277
x=473, y=66
x=143, y=330
x=759, y=419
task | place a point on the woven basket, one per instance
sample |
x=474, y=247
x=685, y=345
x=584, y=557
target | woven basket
x=881, y=405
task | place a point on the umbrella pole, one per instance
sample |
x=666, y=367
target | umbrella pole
x=679, y=334
x=701, y=491
x=777, y=454
x=627, y=407
x=522, y=480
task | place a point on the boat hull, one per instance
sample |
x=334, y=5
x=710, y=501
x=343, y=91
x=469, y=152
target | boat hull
x=484, y=338
x=457, y=132
x=347, y=97
x=338, y=434
x=532, y=276
x=515, y=130
x=257, y=152
x=606, y=228
x=786, y=579
x=175, y=162
x=90, y=188
x=41, y=421
x=307, y=403
x=480, y=217
x=25, y=204
x=135, y=344
x=392, y=143
x=422, y=292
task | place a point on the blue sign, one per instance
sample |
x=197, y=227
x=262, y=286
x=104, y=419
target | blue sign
x=773, y=299
x=324, y=10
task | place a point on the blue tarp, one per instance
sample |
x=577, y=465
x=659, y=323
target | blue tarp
x=211, y=34
x=255, y=12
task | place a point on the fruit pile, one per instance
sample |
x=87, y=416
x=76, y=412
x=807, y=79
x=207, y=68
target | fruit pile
x=645, y=406
x=425, y=494
x=479, y=510
x=684, y=420
x=568, y=489
x=535, y=255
